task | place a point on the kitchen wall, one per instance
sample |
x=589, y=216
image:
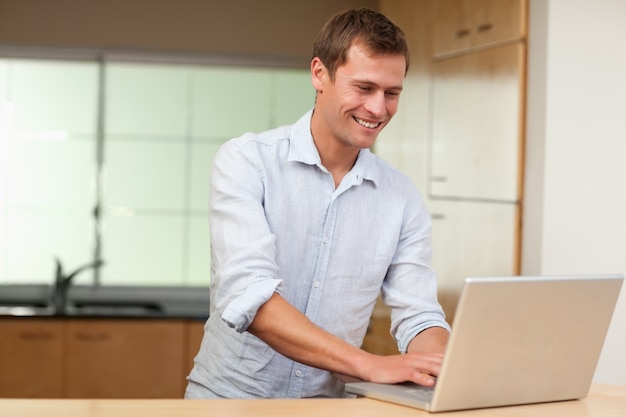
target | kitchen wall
x=575, y=199
x=272, y=30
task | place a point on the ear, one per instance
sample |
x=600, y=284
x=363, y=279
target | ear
x=319, y=74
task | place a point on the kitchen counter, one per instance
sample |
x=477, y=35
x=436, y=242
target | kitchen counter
x=107, y=301
x=603, y=400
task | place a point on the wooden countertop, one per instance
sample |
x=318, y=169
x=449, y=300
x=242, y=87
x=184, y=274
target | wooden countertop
x=603, y=400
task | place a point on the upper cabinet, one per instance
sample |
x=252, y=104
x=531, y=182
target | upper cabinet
x=476, y=128
x=477, y=98
x=468, y=74
x=460, y=25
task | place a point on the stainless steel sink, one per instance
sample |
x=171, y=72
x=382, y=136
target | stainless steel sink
x=25, y=310
x=107, y=301
x=113, y=308
x=87, y=307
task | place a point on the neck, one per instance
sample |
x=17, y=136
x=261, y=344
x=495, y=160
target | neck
x=338, y=166
x=336, y=157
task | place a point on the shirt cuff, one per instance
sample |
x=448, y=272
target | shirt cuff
x=240, y=312
x=403, y=344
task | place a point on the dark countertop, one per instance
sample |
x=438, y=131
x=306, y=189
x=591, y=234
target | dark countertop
x=107, y=302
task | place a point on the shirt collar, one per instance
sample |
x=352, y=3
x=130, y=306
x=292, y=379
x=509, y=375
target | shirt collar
x=301, y=145
x=302, y=149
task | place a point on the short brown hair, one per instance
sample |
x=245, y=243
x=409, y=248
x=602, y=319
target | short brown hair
x=377, y=32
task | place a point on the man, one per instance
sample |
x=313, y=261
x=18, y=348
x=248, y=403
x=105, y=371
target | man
x=308, y=226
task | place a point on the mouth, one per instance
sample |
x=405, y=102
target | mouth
x=365, y=123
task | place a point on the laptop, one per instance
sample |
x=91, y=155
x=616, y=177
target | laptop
x=516, y=340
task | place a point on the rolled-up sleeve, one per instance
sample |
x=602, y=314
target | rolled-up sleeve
x=243, y=267
x=410, y=287
x=240, y=312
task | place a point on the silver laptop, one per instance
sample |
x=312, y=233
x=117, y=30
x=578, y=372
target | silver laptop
x=516, y=340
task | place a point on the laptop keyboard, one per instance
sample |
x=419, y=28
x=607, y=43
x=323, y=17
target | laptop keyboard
x=419, y=392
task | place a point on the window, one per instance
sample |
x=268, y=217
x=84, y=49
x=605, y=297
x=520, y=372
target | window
x=111, y=160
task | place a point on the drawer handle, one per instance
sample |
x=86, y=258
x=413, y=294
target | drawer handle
x=437, y=216
x=438, y=178
x=462, y=33
x=484, y=27
x=36, y=336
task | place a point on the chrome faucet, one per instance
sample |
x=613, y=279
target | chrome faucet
x=63, y=282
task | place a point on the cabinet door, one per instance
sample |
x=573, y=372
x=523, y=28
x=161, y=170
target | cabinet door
x=451, y=26
x=472, y=239
x=460, y=25
x=476, y=125
x=125, y=359
x=31, y=358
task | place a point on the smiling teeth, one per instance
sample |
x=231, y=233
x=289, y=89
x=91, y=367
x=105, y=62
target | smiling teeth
x=369, y=125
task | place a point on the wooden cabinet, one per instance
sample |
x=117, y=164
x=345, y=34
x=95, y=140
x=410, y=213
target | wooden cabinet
x=467, y=84
x=96, y=358
x=31, y=358
x=472, y=238
x=476, y=140
x=125, y=359
x=476, y=129
x=460, y=25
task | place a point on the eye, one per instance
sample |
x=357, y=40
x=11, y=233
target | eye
x=364, y=88
x=392, y=93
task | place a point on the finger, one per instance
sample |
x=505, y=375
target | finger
x=428, y=361
x=424, y=379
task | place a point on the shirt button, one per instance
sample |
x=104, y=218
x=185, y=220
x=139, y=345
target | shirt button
x=317, y=284
x=325, y=240
x=298, y=373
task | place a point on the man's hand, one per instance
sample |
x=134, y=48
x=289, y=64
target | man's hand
x=420, y=368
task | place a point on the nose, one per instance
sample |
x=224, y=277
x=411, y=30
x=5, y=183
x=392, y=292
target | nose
x=376, y=104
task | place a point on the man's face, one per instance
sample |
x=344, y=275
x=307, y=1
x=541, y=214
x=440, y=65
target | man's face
x=362, y=99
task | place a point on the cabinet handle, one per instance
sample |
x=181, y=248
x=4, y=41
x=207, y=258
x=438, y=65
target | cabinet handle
x=462, y=33
x=436, y=178
x=92, y=337
x=484, y=27
x=36, y=336
x=438, y=216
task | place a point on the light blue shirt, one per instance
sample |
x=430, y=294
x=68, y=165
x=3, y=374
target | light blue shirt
x=278, y=224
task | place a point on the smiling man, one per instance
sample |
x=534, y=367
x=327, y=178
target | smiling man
x=308, y=227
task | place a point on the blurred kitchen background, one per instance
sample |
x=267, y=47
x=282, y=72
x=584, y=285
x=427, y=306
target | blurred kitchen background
x=511, y=124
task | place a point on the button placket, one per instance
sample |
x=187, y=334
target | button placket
x=323, y=260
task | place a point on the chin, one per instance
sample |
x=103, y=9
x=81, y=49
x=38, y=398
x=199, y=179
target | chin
x=365, y=144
